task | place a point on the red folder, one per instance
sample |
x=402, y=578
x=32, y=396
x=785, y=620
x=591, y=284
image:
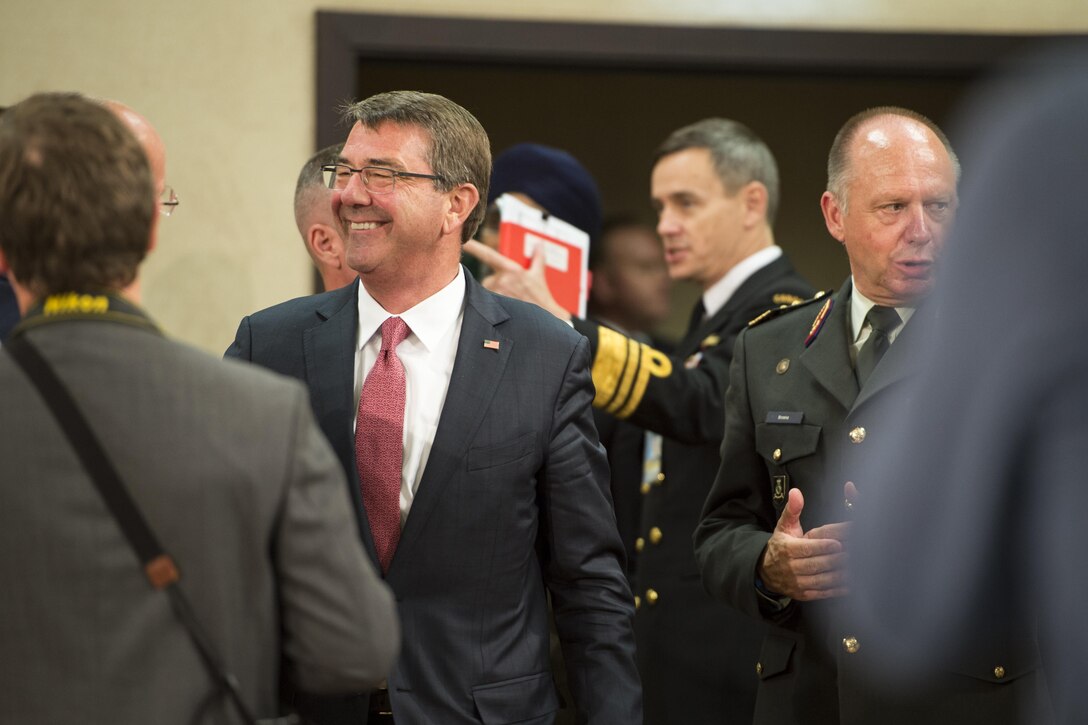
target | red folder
x=566, y=250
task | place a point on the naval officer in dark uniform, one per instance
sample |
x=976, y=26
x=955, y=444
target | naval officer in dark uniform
x=715, y=188
x=810, y=390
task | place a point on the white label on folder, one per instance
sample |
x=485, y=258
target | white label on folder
x=556, y=256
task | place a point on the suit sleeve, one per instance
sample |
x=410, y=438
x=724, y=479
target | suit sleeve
x=341, y=632
x=739, y=514
x=241, y=348
x=679, y=397
x=583, y=557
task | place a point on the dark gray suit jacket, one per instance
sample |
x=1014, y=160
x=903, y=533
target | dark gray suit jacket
x=513, y=503
x=228, y=467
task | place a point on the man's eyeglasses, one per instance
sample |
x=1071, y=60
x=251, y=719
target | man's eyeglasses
x=168, y=201
x=376, y=180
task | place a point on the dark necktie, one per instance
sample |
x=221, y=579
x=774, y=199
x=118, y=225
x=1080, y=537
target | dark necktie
x=882, y=320
x=379, y=448
x=697, y=316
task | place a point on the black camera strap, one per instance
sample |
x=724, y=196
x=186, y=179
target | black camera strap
x=159, y=567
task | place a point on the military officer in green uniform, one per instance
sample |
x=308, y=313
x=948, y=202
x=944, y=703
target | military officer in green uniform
x=810, y=389
x=714, y=186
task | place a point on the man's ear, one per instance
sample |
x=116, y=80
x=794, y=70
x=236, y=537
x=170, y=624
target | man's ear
x=324, y=244
x=462, y=201
x=833, y=215
x=754, y=197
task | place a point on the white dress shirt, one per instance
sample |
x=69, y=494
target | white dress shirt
x=719, y=293
x=427, y=355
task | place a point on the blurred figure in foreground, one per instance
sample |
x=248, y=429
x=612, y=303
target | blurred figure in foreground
x=981, y=480
x=225, y=463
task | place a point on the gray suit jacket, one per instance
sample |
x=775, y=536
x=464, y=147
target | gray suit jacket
x=228, y=467
x=513, y=504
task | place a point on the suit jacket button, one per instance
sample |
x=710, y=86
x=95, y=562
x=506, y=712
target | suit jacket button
x=857, y=435
x=651, y=596
x=759, y=668
x=645, y=488
x=851, y=645
x=655, y=535
x=660, y=479
x=782, y=366
x=638, y=602
x=777, y=455
x=640, y=543
x=999, y=672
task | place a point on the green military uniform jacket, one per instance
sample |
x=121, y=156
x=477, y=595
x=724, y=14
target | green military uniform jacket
x=797, y=419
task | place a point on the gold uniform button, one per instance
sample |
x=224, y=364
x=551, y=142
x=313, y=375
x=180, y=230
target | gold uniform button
x=999, y=672
x=640, y=543
x=651, y=596
x=759, y=668
x=660, y=478
x=851, y=645
x=655, y=535
x=645, y=488
x=782, y=366
x=638, y=601
x=857, y=435
x=777, y=455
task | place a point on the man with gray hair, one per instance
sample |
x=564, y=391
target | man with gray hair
x=464, y=422
x=715, y=188
x=316, y=223
x=810, y=392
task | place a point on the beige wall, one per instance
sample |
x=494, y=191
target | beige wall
x=230, y=87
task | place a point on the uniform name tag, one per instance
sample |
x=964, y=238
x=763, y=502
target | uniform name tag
x=785, y=417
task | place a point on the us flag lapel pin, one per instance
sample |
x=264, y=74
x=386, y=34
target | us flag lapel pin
x=491, y=344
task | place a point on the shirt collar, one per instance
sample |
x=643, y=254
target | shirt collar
x=428, y=320
x=719, y=293
x=860, y=306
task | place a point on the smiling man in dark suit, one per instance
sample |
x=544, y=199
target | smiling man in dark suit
x=490, y=489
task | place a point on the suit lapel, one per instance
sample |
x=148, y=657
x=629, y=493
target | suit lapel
x=738, y=301
x=828, y=357
x=476, y=373
x=329, y=352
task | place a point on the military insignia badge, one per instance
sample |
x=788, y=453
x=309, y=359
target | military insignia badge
x=818, y=323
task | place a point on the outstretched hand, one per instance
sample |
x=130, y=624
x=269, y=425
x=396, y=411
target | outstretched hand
x=805, y=565
x=511, y=279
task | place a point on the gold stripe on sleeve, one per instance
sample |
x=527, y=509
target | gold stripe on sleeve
x=608, y=364
x=654, y=363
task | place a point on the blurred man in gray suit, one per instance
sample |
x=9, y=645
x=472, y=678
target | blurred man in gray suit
x=225, y=463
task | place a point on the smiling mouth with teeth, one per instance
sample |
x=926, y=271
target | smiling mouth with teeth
x=363, y=226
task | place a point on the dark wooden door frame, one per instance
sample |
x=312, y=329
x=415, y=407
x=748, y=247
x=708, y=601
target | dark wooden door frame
x=343, y=39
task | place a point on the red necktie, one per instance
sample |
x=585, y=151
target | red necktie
x=379, y=447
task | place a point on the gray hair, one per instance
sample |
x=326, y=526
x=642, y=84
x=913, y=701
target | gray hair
x=739, y=155
x=460, y=151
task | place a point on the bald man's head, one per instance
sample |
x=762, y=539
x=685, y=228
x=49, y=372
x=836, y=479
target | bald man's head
x=147, y=136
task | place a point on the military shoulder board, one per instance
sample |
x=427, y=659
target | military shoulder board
x=795, y=304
